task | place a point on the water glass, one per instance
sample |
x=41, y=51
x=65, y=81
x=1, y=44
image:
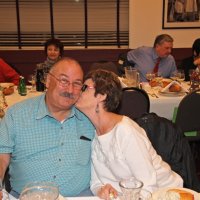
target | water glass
x=132, y=190
x=40, y=191
x=132, y=76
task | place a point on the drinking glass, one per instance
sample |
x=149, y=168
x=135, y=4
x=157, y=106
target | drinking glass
x=40, y=191
x=31, y=80
x=180, y=75
x=132, y=76
x=132, y=190
x=150, y=76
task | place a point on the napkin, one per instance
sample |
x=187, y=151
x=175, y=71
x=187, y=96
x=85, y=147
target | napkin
x=166, y=88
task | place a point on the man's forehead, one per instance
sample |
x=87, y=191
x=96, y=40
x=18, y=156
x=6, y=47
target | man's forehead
x=166, y=44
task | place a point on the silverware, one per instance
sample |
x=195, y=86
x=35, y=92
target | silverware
x=153, y=94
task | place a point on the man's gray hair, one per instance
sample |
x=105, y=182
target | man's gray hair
x=162, y=38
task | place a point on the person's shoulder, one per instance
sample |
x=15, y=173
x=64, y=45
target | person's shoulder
x=129, y=125
x=25, y=105
x=142, y=48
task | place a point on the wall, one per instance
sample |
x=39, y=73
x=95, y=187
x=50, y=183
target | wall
x=145, y=23
x=25, y=60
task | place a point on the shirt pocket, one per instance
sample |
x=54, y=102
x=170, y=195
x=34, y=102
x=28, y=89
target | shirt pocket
x=84, y=152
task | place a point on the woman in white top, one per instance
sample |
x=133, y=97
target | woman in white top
x=121, y=148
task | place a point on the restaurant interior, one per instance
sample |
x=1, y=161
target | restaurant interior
x=133, y=23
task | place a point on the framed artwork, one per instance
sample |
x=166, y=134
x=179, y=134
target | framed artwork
x=181, y=14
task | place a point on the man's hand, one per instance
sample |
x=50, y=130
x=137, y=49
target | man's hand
x=107, y=192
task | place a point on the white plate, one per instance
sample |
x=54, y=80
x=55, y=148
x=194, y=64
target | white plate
x=172, y=94
x=6, y=85
x=160, y=194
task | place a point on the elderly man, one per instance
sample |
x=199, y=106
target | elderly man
x=156, y=59
x=46, y=138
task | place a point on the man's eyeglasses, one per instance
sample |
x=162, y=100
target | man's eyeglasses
x=84, y=87
x=63, y=82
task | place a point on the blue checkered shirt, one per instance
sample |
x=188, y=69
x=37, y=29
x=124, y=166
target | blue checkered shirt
x=44, y=149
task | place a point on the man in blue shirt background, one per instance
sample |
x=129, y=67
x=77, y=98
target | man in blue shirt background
x=145, y=58
x=46, y=138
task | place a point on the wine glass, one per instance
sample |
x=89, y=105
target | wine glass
x=32, y=81
x=150, y=76
x=180, y=75
x=40, y=191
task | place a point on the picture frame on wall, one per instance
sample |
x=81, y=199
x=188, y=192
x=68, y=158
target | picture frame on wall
x=181, y=14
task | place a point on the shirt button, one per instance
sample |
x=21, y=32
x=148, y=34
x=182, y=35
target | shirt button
x=59, y=159
x=62, y=144
x=61, y=127
x=54, y=177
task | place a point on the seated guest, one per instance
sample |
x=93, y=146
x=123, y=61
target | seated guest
x=156, y=59
x=54, y=49
x=121, y=148
x=7, y=73
x=191, y=62
x=43, y=138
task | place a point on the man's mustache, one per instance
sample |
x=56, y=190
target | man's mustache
x=67, y=94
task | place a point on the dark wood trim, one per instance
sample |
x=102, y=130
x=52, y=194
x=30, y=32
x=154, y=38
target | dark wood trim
x=25, y=60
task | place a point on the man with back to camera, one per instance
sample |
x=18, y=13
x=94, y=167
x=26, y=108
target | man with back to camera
x=42, y=138
x=145, y=58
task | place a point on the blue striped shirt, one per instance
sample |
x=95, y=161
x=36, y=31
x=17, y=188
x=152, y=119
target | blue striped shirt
x=44, y=149
x=144, y=59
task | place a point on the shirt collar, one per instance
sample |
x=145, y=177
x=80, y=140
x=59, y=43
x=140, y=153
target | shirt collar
x=155, y=55
x=43, y=110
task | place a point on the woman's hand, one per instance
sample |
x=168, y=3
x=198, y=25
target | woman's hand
x=107, y=192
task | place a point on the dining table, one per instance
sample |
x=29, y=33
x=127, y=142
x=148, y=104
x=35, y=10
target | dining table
x=162, y=105
x=15, y=97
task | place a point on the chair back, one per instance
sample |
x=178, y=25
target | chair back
x=188, y=113
x=170, y=143
x=107, y=65
x=134, y=103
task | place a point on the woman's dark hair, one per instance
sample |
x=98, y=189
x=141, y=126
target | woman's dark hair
x=106, y=82
x=196, y=46
x=55, y=42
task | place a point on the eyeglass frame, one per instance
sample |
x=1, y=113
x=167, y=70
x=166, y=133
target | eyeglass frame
x=85, y=87
x=76, y=85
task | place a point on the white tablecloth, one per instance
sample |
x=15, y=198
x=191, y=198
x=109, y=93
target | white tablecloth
x=15, y=97
x=163, y=106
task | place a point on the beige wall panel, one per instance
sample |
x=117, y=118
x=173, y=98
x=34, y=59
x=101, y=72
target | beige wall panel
x=146, y=22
